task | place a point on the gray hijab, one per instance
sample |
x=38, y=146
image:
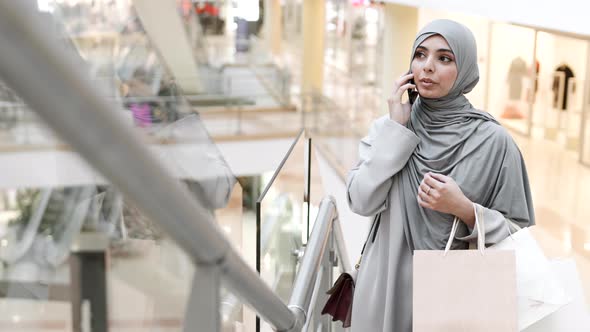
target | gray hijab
x=464, y=143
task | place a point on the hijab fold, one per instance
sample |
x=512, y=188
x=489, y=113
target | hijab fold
x=464, y=143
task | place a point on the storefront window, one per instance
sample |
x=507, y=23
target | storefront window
x=336, y=33
x=291, y=18
x=558, y=104
x=511, y=88
x=363, y=50
x=585, y=147
x=352, y=38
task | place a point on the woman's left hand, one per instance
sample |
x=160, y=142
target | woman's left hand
x=441, y=193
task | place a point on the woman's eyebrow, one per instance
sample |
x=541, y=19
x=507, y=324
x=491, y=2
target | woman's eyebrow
x=439, y=50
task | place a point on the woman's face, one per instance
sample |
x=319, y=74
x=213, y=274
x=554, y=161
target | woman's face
x=434, y=67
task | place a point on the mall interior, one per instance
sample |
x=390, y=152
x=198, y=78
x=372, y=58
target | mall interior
x=201, y=150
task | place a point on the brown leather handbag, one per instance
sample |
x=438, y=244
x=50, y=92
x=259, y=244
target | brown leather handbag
x=339, y=304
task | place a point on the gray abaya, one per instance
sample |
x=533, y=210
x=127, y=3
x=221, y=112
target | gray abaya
x=383, y=293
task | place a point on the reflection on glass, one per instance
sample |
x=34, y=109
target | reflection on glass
x=282, y=221
x=40, y=225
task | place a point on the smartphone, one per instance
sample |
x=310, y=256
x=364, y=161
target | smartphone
x=412, y=93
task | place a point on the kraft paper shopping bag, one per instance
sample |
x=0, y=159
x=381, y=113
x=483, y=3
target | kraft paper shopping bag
x=465, y=290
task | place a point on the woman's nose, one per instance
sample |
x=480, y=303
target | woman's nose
x=428, y=65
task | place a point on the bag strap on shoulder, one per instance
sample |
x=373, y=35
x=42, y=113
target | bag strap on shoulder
x=373, y=230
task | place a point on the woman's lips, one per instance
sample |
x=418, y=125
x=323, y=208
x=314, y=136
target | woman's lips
x=425, y=82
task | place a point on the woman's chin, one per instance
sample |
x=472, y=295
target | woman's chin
x=429, y=95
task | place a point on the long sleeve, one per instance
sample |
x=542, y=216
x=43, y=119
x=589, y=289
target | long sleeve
x=382, y=153
x=496, y=227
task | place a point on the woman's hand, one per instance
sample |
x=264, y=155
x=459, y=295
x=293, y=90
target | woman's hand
x=399, y=112
x=441, y=193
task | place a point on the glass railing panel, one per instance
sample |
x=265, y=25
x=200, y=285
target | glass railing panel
x=54, y=197
x=334, y=134
x=40, y=225
x=314, y=180
x=282, y=216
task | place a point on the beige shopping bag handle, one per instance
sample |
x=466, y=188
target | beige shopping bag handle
x=513, y=224
x=479, y=224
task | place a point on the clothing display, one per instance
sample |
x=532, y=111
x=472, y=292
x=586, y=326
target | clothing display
x=446, y=136
x=568, y=74
x=516, y=73
x=511, y=112
x=537, y=70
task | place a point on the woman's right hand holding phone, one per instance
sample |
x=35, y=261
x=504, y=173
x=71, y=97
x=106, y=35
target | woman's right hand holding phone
x=399, y=112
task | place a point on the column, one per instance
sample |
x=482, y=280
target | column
x=166, y=31
x=400, y=28
x=277, y=28
x=314, y=16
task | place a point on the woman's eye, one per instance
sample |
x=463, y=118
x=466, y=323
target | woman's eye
x=419, y=55
x=446, y=59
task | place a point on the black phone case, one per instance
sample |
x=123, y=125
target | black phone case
x=412, y=93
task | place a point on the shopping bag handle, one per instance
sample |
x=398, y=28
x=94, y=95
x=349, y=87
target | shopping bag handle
x=513, y=224
x=479, y=224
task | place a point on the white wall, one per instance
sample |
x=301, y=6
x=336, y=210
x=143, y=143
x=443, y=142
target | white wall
x=564, y=15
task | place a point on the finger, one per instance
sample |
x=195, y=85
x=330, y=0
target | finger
x=401, y=81
x=432, y=182
x=397, y=95
x=438, y=177
x=405, y=77
x=425, y=187
x=423, y=204
x=406, y=86
x=424, y=197
x=434, y=194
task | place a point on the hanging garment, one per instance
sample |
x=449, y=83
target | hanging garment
x=568, y=74
x=517, y=71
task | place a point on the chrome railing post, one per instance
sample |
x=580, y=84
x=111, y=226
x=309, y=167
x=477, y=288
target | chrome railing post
x=300, y=302
x=310, y=324
x=329, y=278
x=202, y=312
x=325, y=321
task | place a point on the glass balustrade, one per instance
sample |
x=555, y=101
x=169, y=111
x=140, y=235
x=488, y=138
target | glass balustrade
x=283, y=213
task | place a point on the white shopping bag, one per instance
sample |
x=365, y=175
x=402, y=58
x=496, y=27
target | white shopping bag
x=574, y=317
x=539, y=291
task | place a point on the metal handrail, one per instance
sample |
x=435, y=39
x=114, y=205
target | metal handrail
x=311, y=262
x=43, y=75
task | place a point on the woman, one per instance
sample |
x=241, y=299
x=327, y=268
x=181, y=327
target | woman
x=425, y=163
